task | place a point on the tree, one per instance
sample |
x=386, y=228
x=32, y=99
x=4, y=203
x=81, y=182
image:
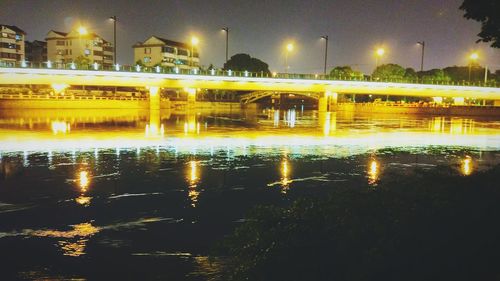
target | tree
x=487, y=12
x=345, y=72
x=82, y=61
x=389, y=71
x=434, y=75
x=244, y=62
x=410, y=73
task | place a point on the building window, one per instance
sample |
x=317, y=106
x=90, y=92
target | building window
x=181, y=52
x=87, y=52
x=147, y=50
x=147, y=59
x=18, y=37
x=168, y=49
x=60, y=43
x=5, y=35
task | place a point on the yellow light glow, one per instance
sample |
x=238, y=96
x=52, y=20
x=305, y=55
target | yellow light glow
x=83, y=180
x=193, y=178
x=191, y=91
x=289, y=47
x=380, y=52
x=58, y=88
x=373, y=172
x=82, y=30
x=474, y=56
x=285, y=173
x=438, y=100
x=60, y=127
x=83, y=200
x=194, y=40
x=467, y=166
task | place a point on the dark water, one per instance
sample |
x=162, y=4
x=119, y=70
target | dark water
x=134, y=195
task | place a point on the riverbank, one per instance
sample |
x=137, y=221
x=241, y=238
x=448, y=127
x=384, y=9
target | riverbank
x=459, y=110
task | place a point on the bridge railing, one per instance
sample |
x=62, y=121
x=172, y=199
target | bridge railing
x=230, y=73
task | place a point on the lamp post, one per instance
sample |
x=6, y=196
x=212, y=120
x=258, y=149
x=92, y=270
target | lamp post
x=423, y=52
x=289, y=48
x=194, y=42
x=472, y=58
x=325, y=37
x=379, y=53
x=113, y=18
x=226, y=29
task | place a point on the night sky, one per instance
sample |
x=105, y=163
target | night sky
x=261, y=28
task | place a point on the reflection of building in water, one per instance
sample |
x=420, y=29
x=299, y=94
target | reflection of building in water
x=193, y=179
x=154, y=128
x=457, y=126
x=373, y=172
x=191, y=125
x=60, y=127
x=276, y=118
x=467, y=166
x=328, y=121
x=290, y=118
x=285, y=173
x=83, y=184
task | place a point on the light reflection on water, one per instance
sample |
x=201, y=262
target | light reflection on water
x=163, y=179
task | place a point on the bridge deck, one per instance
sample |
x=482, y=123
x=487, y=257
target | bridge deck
x=242, y=83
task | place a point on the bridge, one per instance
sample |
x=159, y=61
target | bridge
x=321, y=88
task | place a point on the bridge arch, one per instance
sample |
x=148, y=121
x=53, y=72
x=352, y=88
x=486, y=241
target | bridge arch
x=254, y=96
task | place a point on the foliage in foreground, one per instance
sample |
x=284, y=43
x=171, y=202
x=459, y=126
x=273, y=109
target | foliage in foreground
x=436, y=226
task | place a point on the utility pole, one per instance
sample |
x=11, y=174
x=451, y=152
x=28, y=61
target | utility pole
x=325, y=37
x=423, y=53
x=226, y=29
x=113, y=18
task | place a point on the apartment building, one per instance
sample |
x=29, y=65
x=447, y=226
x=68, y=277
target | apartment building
x=79, y=46
x=36, y=51
x=11, y=43
x=167, y=53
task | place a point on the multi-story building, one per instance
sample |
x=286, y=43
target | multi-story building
x=80, y=47
x=11, y=43
x=167, y=53
x=36, y=52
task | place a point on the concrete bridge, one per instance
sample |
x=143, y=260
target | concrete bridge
x=326, y=91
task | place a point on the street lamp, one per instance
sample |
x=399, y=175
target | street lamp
x=114, y=19
x=226, y=29
x=289, y=48
x=82, y=30
x=472, y=59
x=379, y=53
x=423, y=52
x=325, y=37
x=194, y=42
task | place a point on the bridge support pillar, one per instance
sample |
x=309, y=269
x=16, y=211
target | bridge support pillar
x=154, y=98
x=191, y=97
x=327, y=102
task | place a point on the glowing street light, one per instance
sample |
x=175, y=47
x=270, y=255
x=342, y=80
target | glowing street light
x=379, y=53
x=289, y=48
x=473, y=57
x=82, y=30
x=194, y=42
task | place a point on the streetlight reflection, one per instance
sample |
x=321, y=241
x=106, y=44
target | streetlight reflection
x=467, y=166
x=373, y=172
x=83, y=184
x=193, y=179
x=285, y=176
